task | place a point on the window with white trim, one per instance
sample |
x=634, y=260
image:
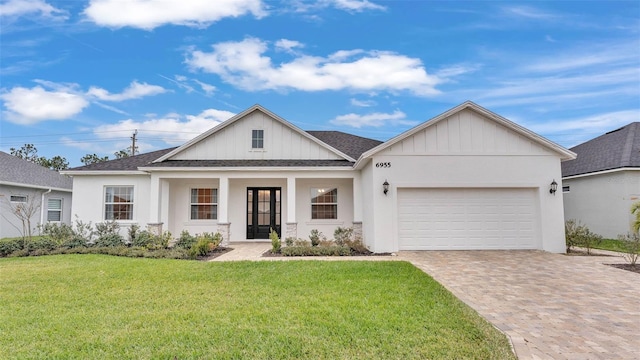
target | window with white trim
x=19, y=198
x=204, y=204
x=566, y=189
x=54, y=210
x=324, y=203
x=118, y=203
x=257, y=139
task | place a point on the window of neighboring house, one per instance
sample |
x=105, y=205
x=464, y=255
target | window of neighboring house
x=54, y=210
x=566, y=188
x=204, y=204
x=324, y=203
x=19, y=198
x=257, y=139
x=118, y=203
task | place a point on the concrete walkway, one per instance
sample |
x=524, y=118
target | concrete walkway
x=551, y=306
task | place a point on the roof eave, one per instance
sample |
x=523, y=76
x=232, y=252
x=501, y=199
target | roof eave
x=102, y=172
x=249, y=168
x=42, y=187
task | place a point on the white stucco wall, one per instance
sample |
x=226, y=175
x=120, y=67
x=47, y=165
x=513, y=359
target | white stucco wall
x=11, y=226
x=603, y=201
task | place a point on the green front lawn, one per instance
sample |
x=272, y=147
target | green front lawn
x=103, y=307
x=611, y=245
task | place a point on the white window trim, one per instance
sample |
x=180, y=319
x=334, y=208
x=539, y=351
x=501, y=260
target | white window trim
x=105, y=203
x=26, y=199
x=315, y=188
x=259, y=149
x=57, y=210
x=190, y=219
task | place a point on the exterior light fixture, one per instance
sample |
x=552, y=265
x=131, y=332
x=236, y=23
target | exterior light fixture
x=385, y=187
x=554, y=187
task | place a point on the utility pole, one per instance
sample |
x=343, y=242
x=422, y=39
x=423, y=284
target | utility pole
x=133, y=142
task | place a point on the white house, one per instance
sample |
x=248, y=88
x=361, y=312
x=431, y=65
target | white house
x=466, y=179
x=41, y=194
x=601, y=185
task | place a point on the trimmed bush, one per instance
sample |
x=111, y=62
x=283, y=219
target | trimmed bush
x=185, y=241
x=9, y=246
x=109, y=240
x=151, y=241
x=316, y=251
x=59, y=233
x=342, y=235
x=41, y=243
x=205, y=243
x=276, y=244
x=316, y=236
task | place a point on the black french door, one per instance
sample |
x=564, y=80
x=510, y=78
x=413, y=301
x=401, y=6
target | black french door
x=263, y=212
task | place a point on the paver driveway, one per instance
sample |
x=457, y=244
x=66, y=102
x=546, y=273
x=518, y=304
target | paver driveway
x=552, y=306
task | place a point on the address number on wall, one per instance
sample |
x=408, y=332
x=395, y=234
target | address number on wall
x=383, y=165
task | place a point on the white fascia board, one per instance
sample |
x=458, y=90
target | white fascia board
x=9, y=183
x=240, y=116
x=102, y=172
x=565, y=154
x=600, y=173
x=252, y=169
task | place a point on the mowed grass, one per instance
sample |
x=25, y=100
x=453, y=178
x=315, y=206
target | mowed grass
x=104, y=307
x=611, y=245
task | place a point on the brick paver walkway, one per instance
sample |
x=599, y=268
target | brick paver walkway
x=551, y=306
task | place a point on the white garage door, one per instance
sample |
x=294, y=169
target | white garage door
x=467, y=219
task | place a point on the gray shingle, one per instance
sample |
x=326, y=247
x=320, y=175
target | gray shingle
x=615, y=149
x=125, y=164
x=351, y=145
x=16, y=170
x=251, y=163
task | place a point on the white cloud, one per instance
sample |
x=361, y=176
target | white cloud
x=17, y=8
x=529, y=12
x=30, y=106
x=175, y=128
x=135, y=90
x=287, y=45
x=207, y=88
x=150, y=14
x=362, y=103
x=356, y=5
x=245, y=65
x=373, y=119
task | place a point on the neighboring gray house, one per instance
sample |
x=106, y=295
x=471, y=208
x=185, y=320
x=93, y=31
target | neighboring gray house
x=26, y=185
x=602, y=183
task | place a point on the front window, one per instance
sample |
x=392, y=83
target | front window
x=19, y=198
x=54, y=210
x=204, y=204
x=257, y=139
x=324, y=203
x=118, y=203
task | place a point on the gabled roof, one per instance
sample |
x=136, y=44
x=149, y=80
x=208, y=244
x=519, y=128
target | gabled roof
x=564, y=153
x=242, y=115
x=247, y=163
x=17, y=171
x=616, y=149
x=351, y=145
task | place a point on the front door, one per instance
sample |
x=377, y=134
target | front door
x=263, y=212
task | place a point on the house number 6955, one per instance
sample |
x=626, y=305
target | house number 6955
x=383, y=165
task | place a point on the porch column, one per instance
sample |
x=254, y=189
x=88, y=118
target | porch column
x=357, y=206
x=164, y=201
x=155, y=194
x=224, y=226
x=292, y=225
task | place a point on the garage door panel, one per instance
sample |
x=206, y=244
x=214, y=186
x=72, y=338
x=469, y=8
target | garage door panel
x=460, y=219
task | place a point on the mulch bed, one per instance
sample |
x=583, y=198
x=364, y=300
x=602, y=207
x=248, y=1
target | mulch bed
x=628, y=267
x=214, y=254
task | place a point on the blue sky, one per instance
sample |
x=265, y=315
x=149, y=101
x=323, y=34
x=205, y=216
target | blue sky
x=79, y=77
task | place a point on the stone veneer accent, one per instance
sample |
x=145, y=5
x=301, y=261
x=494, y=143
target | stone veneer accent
x=155, y=228
x=225, y=230
x=357, y=230
x=292, y=230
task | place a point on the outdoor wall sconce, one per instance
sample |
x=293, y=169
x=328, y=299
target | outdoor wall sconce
x=385, y=187
x=554, y=187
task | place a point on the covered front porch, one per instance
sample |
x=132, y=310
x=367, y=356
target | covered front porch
x=245, y=205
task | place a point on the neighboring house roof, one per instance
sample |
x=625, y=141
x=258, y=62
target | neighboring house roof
x=241, y=115
x=17, y=171
x=351, y=145
x=564, y=153
x=130, y=163
x=616, y=149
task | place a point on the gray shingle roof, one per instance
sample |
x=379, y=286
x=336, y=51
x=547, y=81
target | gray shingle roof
x=251, y=163
x=615, y=149
x=16, y=170
x=351, y=145
x=125, y=164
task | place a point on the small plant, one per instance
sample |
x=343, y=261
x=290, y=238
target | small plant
x=631, y=244
x=205, y=243
x=276, y=243
x=574, y=232
x=342, y=235
x=133, y=231
x=59, y=233
x=316, y=236
x=185, y=241
x=289, y=241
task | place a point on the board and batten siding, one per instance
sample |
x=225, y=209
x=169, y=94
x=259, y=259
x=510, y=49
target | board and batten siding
x=234, y=143
x=466, y=133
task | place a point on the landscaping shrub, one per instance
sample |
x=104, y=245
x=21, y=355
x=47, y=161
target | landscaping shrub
x=316, y=251
x=108, y=234
x=631, y=244
x=185, y=241
x=40, y=243
x=59, y=233
x=9, y=246
x=276, y=244
x=151, y=241
x=342, y=235
x=302, y=242
x=577, y=234
x=133, y=232
x=75, y=242
x=357, y=246
x=315, y=237
x=205, y=243
x=289, y=241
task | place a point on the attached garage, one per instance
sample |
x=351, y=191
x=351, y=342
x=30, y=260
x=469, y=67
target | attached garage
x=468, y=218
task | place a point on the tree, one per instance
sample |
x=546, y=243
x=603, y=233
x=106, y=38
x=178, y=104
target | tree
x=30, y=153
x=121, y=154
x=635, y=209
x=24, y=211
x=93, y=159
